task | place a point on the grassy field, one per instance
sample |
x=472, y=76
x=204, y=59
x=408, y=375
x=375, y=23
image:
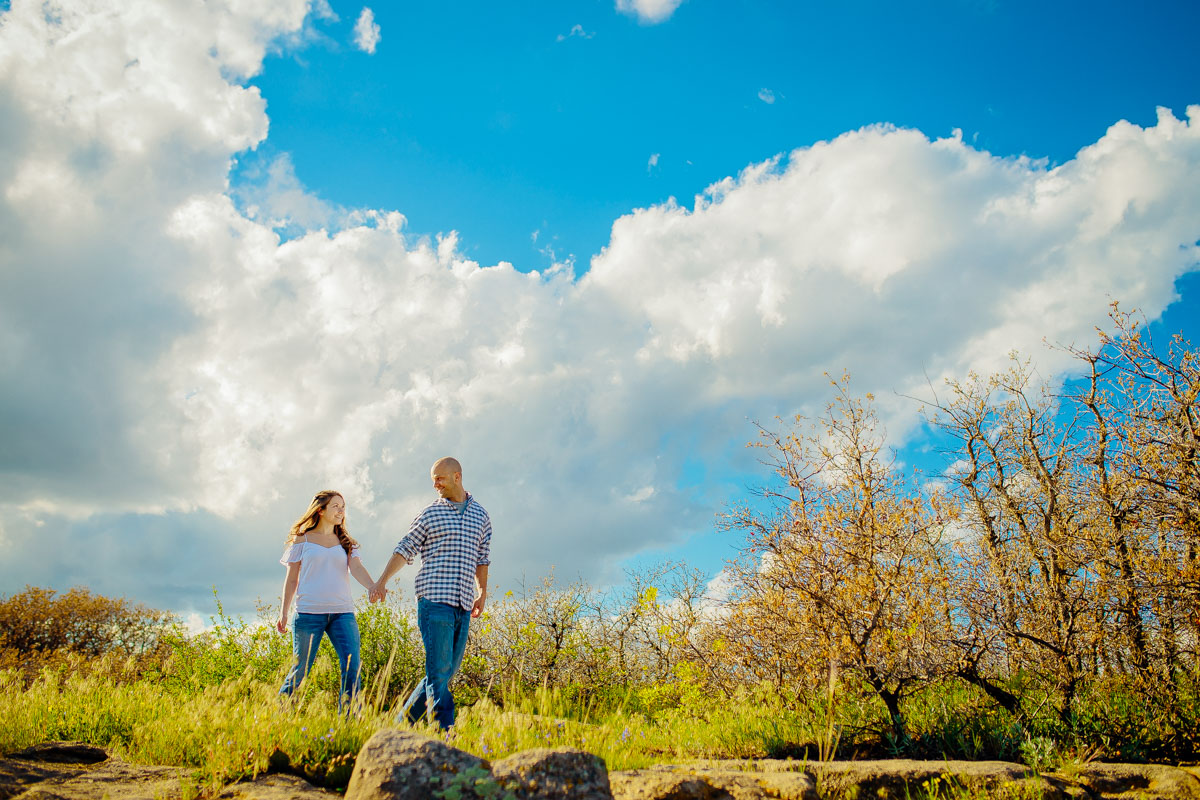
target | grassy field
x=240, y=727
x=210, y=702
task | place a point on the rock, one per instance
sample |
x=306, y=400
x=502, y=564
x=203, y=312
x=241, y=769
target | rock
x=63, y=753
x=114, y=778
x=654, y=784
x=700, y=782
x=551, y=774
x=398, y=764
x=1148, y=781
x=902, y=778
x=274, y=787
x=18, y=774
x=74, y=771
x=788, y=779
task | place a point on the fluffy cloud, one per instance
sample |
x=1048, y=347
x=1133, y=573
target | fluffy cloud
x=947, y=254
x=767, y=96
x=366, y=31
x=163, y=416
x=649, y=12
x=113, y=115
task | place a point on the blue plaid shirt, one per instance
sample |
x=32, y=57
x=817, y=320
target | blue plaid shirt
x=451, y=546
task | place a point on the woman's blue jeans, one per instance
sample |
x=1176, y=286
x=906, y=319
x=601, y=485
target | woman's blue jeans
x=444, y=633
x=342, y=630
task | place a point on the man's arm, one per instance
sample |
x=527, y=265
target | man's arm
x=481, y=572
x=393, y=566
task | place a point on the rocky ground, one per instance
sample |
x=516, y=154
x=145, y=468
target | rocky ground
x=401, y=765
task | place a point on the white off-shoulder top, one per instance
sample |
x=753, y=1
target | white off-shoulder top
x=324, y=586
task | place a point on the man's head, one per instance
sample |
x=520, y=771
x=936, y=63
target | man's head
x=446, y=475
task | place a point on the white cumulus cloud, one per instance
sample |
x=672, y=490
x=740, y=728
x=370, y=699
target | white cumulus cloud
x=649, y=12
x=767, y=96
x=366, y=31
x=163, y=414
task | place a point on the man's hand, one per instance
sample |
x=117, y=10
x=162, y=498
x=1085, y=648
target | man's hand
x=477, y=609
x=377, y=593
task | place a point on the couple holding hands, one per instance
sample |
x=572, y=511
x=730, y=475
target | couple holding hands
x=452, y=536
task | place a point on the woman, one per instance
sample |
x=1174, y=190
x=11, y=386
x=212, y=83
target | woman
x=320, y=558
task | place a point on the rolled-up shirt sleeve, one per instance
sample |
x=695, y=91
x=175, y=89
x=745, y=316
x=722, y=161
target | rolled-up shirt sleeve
x=410, y=545
x=485, y=544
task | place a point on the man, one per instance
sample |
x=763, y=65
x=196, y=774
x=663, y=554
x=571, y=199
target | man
x=453, y=537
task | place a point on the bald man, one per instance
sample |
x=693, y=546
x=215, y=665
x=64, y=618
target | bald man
x=453, y=537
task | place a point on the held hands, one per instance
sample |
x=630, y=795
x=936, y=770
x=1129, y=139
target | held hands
x=377, y=592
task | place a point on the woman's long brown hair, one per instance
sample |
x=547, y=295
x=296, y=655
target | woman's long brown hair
x=313, y=516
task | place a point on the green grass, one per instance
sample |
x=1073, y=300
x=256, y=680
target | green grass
x=240, y=727
x=213, y=706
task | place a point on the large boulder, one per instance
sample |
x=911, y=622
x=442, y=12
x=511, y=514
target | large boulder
x=398, y=764
x=561, y=773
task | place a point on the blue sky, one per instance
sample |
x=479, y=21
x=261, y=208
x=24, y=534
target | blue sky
x=481, y=120
x=253, y=252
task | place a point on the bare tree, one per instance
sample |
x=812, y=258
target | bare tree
x=846, y=568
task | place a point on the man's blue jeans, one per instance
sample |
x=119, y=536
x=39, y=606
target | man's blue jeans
x=342, y=630
x=444, y=633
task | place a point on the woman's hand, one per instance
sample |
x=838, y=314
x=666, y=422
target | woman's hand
x=281, y=624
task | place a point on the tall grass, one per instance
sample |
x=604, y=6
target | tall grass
x=214, y=706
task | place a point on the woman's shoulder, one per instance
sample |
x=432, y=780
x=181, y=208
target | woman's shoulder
x=293, y=550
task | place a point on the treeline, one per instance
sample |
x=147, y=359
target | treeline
x=1056, y=556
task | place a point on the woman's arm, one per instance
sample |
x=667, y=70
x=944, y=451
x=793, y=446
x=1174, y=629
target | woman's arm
x=289, y=592
x=360, y=573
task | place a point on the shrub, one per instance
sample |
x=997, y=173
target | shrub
x=39, y=628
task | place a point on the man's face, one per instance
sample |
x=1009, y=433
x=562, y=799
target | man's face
x=445, y=481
